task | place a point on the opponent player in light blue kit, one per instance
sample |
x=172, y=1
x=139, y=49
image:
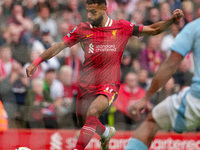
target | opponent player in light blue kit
x=179, y=111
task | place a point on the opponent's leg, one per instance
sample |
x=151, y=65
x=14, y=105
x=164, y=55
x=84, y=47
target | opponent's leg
x=92, y=123
x=144, y=135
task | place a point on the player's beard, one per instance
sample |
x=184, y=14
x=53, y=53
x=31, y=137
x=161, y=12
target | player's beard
x=96, y=22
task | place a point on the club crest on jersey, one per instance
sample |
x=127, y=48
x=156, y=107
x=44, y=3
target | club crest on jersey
x=114, y=34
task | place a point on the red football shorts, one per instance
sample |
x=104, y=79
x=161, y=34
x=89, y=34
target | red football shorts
x=86, y=97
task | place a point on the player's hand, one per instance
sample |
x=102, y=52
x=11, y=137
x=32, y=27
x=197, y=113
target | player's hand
x=136, y=109
x=177, y=14
x=30, y=70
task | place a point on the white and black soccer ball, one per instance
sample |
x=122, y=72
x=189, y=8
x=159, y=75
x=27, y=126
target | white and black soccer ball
x=23, y=148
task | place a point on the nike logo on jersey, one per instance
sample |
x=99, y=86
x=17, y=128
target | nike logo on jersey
x=89, y=35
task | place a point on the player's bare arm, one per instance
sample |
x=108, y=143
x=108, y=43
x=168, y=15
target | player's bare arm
x=161, y=26
x=49, y=53
x=161, y=77
x=53, y=50
x=164, y=73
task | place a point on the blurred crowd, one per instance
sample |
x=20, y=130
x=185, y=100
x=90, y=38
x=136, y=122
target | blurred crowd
x=48, y=98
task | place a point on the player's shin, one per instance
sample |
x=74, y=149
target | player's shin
x=87, y=132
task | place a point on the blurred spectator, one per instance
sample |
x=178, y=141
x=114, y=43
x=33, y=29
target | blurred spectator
x=168, y=40
x=45, y=21
x=47, y=39
x=41, y=3
x=3, y=118
x=169, y=89
x=188, y=10
x=56, y=8
x=183, y=76
x=66, y=110
x=151, y=57
x=135, y=45
x=41, y=69
x=17, y=18
x=122, y=8
x=112, y=6
x=198, y=12
x=128, y=94
x=5, y=36
x=165, y=10
x=73, y=60
x=20, y=47
x=175, y=4
x=7, y=8
x=142, y=6
x=20, y=84
x=67, y=16
x=2, y=19
x=182, y=22
x=36, y=33
x=63, y=29
x=125, y=64
x=53, y=86
x=153, y=16
x=40, y=112
x=74, y=5
x=143, y=78
x=30, y=9
x=119, y=15
x=196, y=8
x=6, y=94
x=6, y=61
x=137, y=17
x=138, y=5
x=135, y=65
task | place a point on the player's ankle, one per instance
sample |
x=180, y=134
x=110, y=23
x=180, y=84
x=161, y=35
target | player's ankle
x=106, y=133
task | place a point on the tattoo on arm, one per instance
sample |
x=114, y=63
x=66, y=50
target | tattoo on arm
x=158, y=27
x=163, y=25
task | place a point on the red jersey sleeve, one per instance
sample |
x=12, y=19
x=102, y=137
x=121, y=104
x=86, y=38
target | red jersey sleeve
x=132, y=29
x=73, y=36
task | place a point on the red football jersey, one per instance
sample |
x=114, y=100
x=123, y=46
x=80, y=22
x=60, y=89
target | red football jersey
x=103, y=47
x=126, y=97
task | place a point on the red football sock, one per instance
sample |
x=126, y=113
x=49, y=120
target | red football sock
x=87, y=132
x=100, y=128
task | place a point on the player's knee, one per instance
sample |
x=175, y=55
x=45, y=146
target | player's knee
x=93, y=112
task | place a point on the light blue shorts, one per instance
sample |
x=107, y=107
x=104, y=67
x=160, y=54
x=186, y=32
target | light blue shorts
x=179, y=111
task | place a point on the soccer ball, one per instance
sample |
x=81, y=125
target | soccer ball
x=23, y=148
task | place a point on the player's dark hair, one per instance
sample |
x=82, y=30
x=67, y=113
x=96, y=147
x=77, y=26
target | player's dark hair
x=99, y=2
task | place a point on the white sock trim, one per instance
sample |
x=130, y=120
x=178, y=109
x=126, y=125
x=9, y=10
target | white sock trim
x=106, y=133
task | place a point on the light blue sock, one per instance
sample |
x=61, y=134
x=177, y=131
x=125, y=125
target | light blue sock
x=135, y=144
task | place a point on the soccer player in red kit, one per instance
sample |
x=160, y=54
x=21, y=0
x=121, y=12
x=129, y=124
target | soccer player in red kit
x=103, y=41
